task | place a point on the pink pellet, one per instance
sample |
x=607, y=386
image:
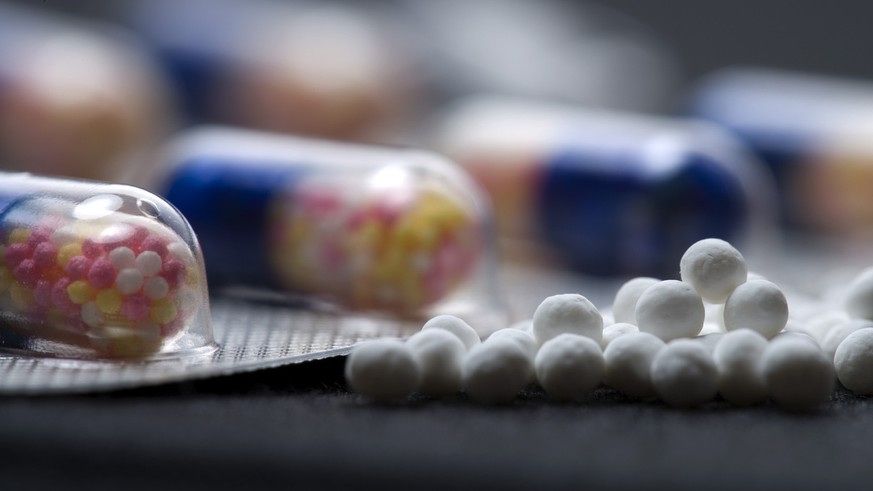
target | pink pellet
x=78, y=267
x=45, y=255
x=15, y=253
x=91, y=248
x=38, y=236
x=174, y=272
x=60, y=298
x=135, y=308
x=42, y=294
x=27, y=273
x=155, y=244
x=137, y=238
x=102, y=274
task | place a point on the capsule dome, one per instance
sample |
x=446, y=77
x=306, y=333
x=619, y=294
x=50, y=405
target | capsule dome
x=94, y=270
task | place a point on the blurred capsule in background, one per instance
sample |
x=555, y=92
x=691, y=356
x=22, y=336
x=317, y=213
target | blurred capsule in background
x=76, y=98
x=95, y=270
x=607, y=193
x=363, y=228
x=321, y=69
x=815, y=133
x=569, y=51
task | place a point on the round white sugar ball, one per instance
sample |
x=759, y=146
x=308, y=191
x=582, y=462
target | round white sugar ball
x=714, y=268
x=439, y=355
x=567, y=313
x=859, y=296
x=758, y=305
x=524, y=339
x=628, y=362
x=625, y=303
x=525, y=325
x=496, y=371
x=149, y=263
x=613, y=331
x=456, y=326
x=684, y=374
x=569, y=366
x=797, y=372
x=382, y=369
x=738, y=359
x=129, y=280
x=839, y=332
x=670, y=309
x=709, y=340
x=853, y=361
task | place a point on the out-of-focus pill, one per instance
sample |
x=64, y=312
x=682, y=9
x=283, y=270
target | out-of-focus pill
x=321, y=69
x=61, y=294
x=738, y=359
x=606, y=193
x=439, y=355
x=567, y=313
x=76, y=98
x=613, y=331
x=364, y=228
x=625, y=304
x=812, y=131
x=524, y=339
x=455, y=325
x=495, y=372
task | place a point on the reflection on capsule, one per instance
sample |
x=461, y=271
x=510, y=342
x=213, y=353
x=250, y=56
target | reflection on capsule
x=85, y=273
x=366, y=228
x=322, y=70
x=604, y=192
x=813, y=132
x=76, y=99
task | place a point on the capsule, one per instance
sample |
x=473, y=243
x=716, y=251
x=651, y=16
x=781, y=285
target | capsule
x=813, y=132
x=76, y=98
x=360, y=228
x=606, y=193
x=321, y=70
x=93, y=270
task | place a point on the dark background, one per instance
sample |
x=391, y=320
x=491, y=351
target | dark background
x=298, y=428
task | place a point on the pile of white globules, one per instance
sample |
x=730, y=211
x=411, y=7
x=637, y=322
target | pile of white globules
x=718, y=331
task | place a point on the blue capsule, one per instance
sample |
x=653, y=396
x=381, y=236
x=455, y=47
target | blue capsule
x=605, y=193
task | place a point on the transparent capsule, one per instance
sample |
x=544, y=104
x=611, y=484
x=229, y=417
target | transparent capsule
x=94, y=270
x=357, y=227
x=76, y=98
x=813, y=132
x=607, y=193
x=319, y=69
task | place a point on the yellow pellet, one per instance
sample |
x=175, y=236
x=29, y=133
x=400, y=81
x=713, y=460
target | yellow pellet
x=163, y=311
x=80, y=292
x=18, y=235
x=108, y=301
x=5, y=279
x=21, y=296
x=67, y=252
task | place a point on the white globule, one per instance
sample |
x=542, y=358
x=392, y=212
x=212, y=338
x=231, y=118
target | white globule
x=456, y=326
x=495, y=372
x=709, y=340
x=859, y=296
x=819, y=325
x=382, y=369
x=613, y=331
x=439, y=355
x=625, y=303
x=684, y=374
x=670, y=309
x=567, y=313
x=837, y=333
x=713, y=268
x=569, y=366
x=797, y=372
x=758, y=305
x=853, y=361
x=738, y=358
x=524, y=339
x=628, y=363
